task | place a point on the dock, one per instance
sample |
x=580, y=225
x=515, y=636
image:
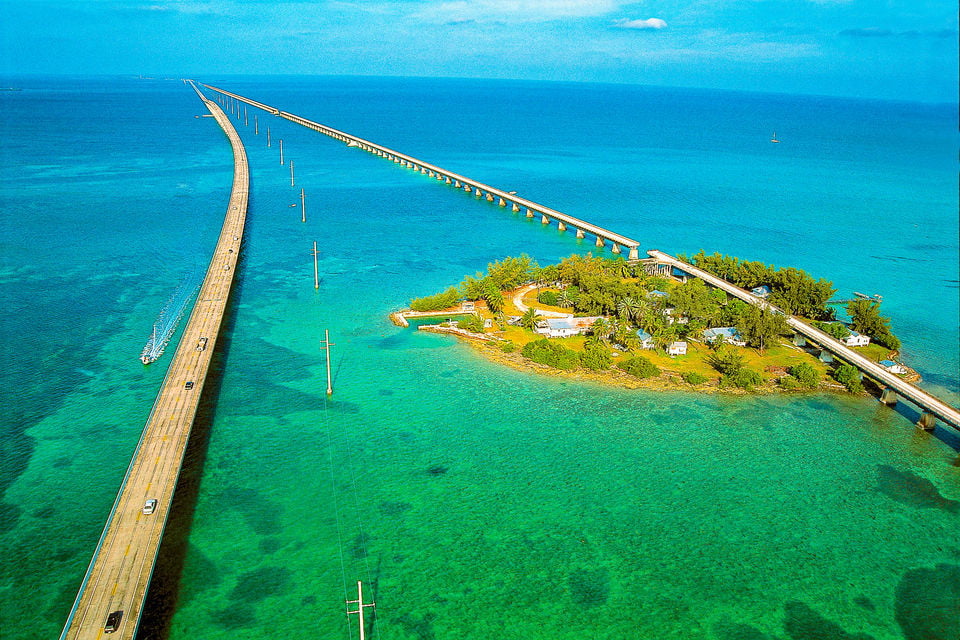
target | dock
x=479, y=189
x=119, y=574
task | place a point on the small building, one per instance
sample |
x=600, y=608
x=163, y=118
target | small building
x=825, y=356
x=761, y=292
x=487, y=323
x=565, y=327
x=730, y=335
x=799, y=340
x=856, y=339
x=646, y=340
x=656, y=294
x=678, y=348
x=892, y=367
x=672, y=316
x=467, y=305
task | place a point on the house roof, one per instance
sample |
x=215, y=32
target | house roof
x=888, y=363
x=643, y=335
x=559, y=323
x=716, y=332
x=656, y=293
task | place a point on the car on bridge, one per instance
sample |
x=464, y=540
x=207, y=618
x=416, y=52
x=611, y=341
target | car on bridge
x=149, y=506
x=113, y=621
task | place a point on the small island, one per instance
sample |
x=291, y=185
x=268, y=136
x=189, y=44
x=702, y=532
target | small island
x=638, y=324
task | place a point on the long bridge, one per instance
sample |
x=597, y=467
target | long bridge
x=123, y=562
x=930, y=406
x=469, y=185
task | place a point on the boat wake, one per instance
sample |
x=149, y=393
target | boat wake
x=166, y=323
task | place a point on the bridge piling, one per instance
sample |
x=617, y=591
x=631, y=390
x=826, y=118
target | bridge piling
x=927, y=421
x=888, y=397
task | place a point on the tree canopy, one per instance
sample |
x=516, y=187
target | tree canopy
x=865, y=318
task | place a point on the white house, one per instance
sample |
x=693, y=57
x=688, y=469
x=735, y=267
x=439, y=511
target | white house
x=856, y=339
x=565, y=327
x=761, y=292
x=677, y=348
x=892, y=367
x=730, y=335
x=646, y=340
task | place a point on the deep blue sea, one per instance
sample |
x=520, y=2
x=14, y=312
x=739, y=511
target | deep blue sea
x=473, y=501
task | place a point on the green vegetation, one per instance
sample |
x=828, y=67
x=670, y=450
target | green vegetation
x=836, y=330
x=529, y=319
x=759, y=326
x=725, y=360
x=436, y=302
x=596, y=358
x=626, y=299
x=471, y=323
x=552, y=354
x=793, y=290
x=743, y=378
x=694, y=378
x=734, y=372
x=849, y=376
x=548, y=298
x=802, y=376
x=639, y=367
x=501, y=276
x=865, y=318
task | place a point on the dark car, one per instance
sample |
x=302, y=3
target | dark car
x=188, y=385
x=113, y=621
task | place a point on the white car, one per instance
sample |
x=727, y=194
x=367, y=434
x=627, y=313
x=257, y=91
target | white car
x=149, y=506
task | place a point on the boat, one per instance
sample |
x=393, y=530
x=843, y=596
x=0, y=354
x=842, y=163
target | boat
x=147, y=355
x=774, y=138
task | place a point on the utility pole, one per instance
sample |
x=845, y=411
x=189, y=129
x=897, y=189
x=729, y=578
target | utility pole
x=268, y=136
x=326, y=345
x=281, y=150
x=291, y=173
x=246, y=122
x=316, y=272
x=360, y=606
x=303, y=211
x=256, y=125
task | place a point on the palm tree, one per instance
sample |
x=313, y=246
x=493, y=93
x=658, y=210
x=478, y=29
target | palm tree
x=601, y=329
x=630, y=308
x=529, y=319
x=563, y=300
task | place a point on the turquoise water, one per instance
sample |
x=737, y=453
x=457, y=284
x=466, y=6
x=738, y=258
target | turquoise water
x=473, y=501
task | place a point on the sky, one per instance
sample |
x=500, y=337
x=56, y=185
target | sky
x=888, y=49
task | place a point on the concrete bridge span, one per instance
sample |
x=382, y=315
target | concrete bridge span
x=119, y=573
x=479, y=189
x=931, y=407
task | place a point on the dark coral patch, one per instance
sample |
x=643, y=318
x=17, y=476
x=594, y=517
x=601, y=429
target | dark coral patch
x=254, y=586
x=236, y=616
x=803, y=623
x=928, y=603
x=437, y=470
x=589, y=587
x=420, y=628
x=394, y=508
x=911, y=489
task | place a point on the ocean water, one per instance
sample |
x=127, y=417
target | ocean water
x=473, y=501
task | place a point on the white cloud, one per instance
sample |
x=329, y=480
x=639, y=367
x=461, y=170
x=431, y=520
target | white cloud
x=649, y=23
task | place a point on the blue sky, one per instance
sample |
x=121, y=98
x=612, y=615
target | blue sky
x=899, y=49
